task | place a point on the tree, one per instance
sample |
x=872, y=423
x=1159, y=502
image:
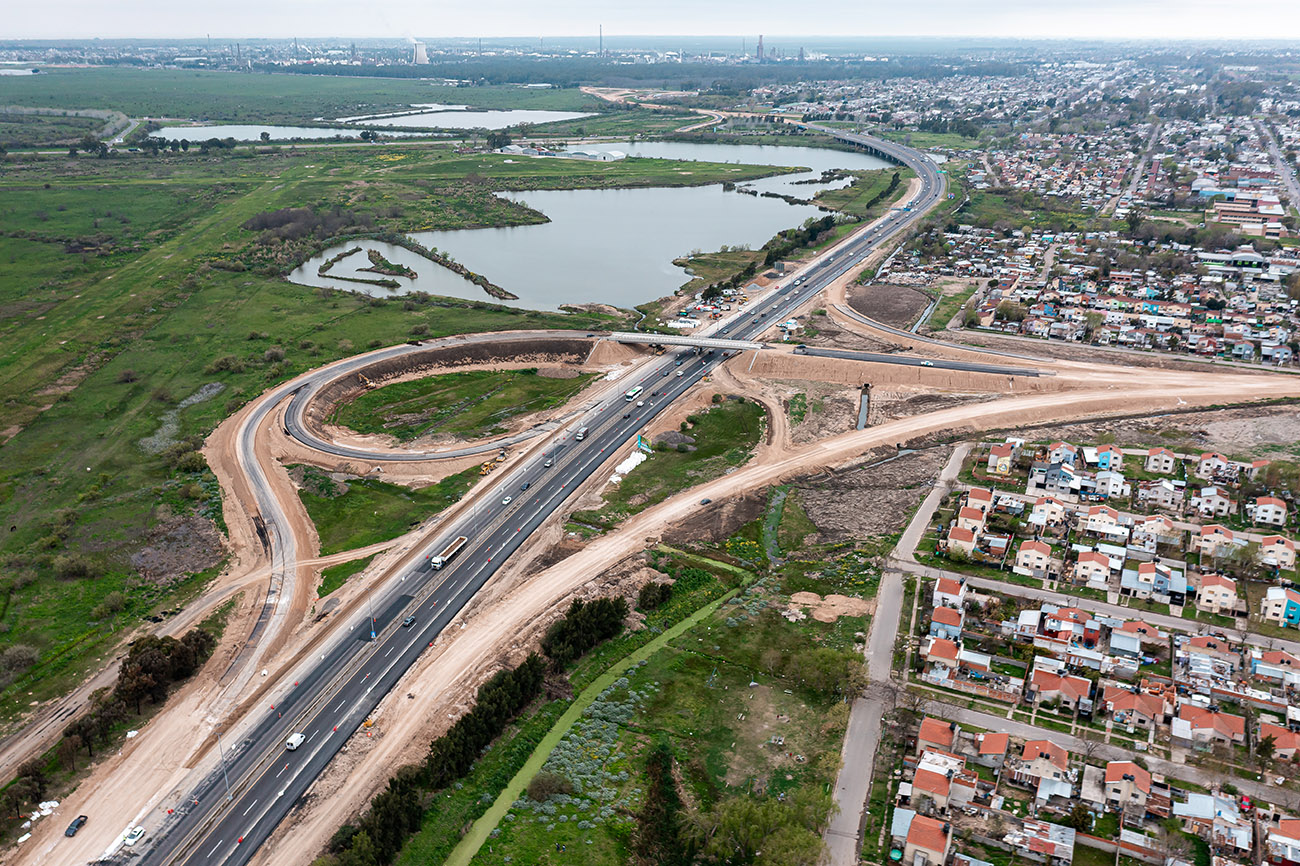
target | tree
x=497, y=140
x=1265, y=749
x=1080, y=818
x=67, y=751
x=265, y=136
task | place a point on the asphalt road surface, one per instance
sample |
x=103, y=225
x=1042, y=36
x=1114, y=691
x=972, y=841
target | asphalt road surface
x=913, y=361
x=332, y=700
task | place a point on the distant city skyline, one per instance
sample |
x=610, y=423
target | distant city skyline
x=1029, y=19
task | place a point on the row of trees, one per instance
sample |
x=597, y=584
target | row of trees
x=394, y=815
x=584, y=625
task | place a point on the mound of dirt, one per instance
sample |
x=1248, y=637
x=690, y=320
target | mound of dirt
x=873, y=499
x=673, y=438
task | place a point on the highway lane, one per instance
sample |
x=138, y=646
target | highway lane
x=332, y=697
x=914, y=361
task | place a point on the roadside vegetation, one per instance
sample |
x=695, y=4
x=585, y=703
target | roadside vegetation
x=335, y=576
x=709, y=444
x=470, y=404
x=362, y=511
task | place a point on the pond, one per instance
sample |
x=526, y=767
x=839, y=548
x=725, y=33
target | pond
x=612, y=246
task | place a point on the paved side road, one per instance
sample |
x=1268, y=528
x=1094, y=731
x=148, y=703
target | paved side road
x=862, y=739
x=1109, y=752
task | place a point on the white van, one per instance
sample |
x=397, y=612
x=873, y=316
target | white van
x=295, y=741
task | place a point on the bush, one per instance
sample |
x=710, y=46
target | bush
x=191, y=461
x=73, y=566
x=127, y=376
x=653, y=594
x=273, y=355
x=112, y=603
x=419, y=330
x=225, y=364
x=546, y=785
x=17, y=658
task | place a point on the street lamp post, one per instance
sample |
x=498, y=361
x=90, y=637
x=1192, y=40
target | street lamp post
x=224, y=776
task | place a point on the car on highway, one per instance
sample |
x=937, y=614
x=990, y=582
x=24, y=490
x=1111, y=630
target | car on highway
x=135, y=834
x=506, y=501
x=295, y=741
x=927, y=363
x=681, y=373
x=629, y=414
x=640, y=404
x=679, y=363
x=408, y=622
x=77, y=824
x=526, y=485
x=549, y=463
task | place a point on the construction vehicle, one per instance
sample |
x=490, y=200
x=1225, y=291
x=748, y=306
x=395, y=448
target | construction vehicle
x=366, y=381
x=437, y=562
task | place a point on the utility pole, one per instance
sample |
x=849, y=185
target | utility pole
x=222, y=753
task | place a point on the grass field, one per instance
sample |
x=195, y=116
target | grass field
x=370, y=511
x=472, y=404
x=336, y=575
x=942, y=140
x=709, y=268
x=717, y=694
x=30, y=130
x=263, y=98
x=859, y=197
x=724, y=437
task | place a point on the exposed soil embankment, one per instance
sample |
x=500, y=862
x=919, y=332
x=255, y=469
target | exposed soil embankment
x=529, y=351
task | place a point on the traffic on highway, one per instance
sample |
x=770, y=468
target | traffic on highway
x=261, y=775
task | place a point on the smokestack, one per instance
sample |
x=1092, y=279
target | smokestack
x=602, y=40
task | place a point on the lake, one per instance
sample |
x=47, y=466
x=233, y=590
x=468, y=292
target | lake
x=253, y=132
x=474, y=119
x=612, y=246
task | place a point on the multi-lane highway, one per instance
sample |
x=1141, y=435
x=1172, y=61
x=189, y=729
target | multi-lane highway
x=333, y=696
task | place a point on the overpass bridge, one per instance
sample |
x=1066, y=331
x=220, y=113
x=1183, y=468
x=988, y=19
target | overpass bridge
x=683, y=340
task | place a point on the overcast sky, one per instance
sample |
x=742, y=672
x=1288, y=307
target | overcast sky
x=1118, y=19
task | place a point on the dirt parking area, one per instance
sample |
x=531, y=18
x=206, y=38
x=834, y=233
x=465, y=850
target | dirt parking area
x=894, y=305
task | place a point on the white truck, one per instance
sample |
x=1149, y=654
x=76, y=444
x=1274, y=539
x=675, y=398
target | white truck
x=437, y=562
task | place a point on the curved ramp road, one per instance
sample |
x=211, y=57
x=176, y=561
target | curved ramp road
x=332, y=698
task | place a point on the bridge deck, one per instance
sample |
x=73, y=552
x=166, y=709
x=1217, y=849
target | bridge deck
x=683, y=340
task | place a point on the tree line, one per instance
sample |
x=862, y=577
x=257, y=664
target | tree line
x=378, y=836
x=583, y=626
x=152, y=666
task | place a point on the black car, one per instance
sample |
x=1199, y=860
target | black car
x=526, y=485
x=76, y=825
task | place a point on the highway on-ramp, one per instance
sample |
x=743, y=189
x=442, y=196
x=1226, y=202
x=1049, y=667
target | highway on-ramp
x=332, y=698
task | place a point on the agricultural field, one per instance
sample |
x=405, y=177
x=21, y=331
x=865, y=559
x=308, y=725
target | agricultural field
x=470, y=405
x=140, y=305
x=239, y=97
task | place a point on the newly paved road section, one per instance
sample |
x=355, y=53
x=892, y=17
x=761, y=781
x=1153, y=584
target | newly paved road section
x=332, y=700
x=913, y=361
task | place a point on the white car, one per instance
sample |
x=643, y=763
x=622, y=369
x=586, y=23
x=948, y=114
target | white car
x=135, y=834
x=927, y=363
x=295, y=741
x=681, y=373
x=506, y=501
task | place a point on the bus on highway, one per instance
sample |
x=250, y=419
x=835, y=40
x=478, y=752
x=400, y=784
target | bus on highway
x=633, y=394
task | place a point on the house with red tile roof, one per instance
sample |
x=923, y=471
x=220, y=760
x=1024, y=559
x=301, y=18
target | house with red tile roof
x=1202, y=725
x=927, y=842
x=1127, y=787
x=935, y=735
x=1285, y=740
